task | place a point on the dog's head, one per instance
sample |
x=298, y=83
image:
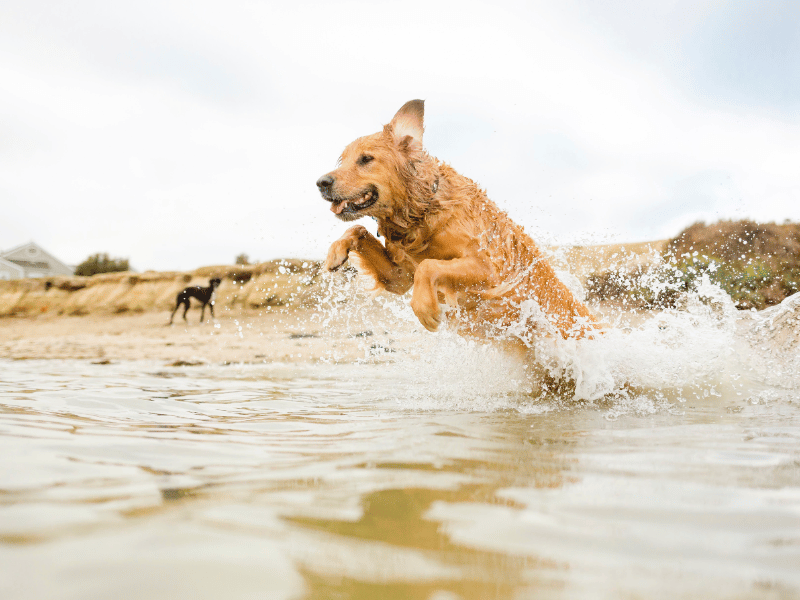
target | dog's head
x=373, y=170
x=214, y=283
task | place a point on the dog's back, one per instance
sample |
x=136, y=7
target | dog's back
x=521, y=272
x=197, y=292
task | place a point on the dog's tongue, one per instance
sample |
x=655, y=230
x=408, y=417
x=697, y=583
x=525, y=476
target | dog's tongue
x=337, y=208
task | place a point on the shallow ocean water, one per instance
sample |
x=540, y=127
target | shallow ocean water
x=323, y=480
x=424, y=471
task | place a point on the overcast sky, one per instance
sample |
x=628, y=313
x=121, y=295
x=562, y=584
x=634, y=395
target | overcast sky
x=180, y=134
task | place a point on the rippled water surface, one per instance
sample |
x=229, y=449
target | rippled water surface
x=382, y=480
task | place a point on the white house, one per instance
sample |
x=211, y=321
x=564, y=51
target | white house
x=30, y=260
x=9, y=270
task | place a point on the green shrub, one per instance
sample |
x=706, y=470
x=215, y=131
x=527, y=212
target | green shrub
x=748, y=284
x=101, y=263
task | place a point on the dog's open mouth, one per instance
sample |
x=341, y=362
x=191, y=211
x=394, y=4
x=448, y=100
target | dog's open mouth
x=348, y=209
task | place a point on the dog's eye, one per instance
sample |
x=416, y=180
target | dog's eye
x=365, y=158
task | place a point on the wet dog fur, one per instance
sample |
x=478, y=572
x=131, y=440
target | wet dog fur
x=443, y=237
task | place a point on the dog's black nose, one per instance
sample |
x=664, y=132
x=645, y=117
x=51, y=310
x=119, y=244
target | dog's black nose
x=324, y=182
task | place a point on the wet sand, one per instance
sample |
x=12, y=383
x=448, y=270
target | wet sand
x=295, y=335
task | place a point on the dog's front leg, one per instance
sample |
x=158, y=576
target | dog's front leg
x=446, y=277
x=374, y=260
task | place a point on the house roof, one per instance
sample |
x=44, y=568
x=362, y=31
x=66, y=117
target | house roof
x=12, y=266
x=33, y=253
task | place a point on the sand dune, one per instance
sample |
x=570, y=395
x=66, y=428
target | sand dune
x=274, y=283
x=286, y=282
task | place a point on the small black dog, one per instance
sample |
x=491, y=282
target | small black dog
x=204, y=294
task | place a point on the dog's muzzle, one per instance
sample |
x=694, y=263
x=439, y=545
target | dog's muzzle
x=349, y=208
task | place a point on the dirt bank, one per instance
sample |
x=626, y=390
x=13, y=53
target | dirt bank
x=289, y=283
x=756, y=264
x=272, y=284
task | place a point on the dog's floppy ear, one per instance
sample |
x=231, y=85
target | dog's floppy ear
x=407, y=125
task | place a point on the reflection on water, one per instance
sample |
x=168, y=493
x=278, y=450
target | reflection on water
x=140, y=480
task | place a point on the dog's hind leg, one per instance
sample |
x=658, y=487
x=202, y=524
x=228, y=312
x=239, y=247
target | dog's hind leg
x=203, y=313
x=185, y=309
x=172, y=316
x=178, y=301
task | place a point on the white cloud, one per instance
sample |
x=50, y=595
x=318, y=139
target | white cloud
x=179, y=134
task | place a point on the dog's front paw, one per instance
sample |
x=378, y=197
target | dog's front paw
x=428, y=313
x=340, y=249
x=337, y=254
x=431, y=321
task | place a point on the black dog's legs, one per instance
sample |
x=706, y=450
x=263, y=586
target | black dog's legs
x=177, y=306
x=185, y=310
x=202, y=313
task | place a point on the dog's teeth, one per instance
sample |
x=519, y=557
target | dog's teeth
x=364, y=199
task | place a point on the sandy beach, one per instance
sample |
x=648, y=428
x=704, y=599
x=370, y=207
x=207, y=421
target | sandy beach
x=234, y=337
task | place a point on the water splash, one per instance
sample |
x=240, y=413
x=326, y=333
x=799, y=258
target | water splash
x=701, y=349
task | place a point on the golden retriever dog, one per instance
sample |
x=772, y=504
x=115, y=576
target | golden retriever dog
x=443, y=237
